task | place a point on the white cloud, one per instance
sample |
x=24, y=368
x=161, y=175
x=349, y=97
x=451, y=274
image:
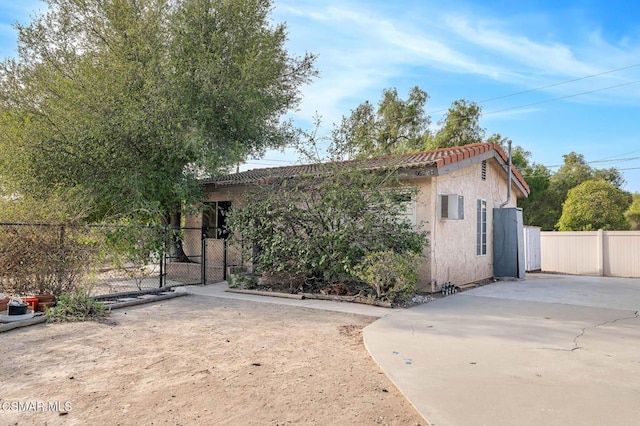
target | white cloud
x=361, y=53
x=549, y=58
x=365, y=49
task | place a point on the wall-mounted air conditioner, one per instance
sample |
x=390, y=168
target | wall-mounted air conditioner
x=451, y=206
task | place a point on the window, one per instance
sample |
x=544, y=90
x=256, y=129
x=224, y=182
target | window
x=481, y=233
x=407, y=209
x=214, y=219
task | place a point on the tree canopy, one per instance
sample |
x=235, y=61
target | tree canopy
x=129, y=102
x=460, y=126
x=545, y=207
x=633, y=213
x=595, y=204
x=396, y=126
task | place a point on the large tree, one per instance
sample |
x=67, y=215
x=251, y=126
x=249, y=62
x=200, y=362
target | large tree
x=395, y=126
x=595, y=204
x=460, y=126
x=130, y=101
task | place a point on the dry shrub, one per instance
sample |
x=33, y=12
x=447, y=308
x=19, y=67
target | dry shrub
x=38, y=259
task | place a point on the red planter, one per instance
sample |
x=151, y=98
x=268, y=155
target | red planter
x=32, y=302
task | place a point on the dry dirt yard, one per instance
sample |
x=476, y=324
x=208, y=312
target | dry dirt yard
x=200, y=361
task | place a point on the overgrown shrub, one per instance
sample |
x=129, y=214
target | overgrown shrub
x=244, y=280
x=43, y=259
x=321, y=226
x=76, y=306
x=393, y=276
x=39, y=259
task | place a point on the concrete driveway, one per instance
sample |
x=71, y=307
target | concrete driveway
x=550, y=350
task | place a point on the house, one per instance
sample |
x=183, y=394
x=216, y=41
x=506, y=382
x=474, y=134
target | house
x=458, y=190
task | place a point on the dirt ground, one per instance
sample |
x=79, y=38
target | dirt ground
x=198, y=361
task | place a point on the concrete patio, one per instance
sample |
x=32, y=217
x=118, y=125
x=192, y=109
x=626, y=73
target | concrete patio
x=550, y=350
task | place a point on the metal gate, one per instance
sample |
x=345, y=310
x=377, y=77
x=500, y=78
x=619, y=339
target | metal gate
x=192, y=258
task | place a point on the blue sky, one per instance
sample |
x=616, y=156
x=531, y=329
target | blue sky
x=473, y=50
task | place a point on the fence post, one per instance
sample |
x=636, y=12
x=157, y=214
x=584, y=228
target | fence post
x=600, y=250
x=203, y=259
x=224, y=259
x=163, y=255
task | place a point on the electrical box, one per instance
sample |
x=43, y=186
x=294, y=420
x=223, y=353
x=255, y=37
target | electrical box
x=508, y=243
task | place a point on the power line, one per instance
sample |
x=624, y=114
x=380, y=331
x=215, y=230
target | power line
x=618, y=155
x=272, y=160
x=267, y=164
x=547, y=86
x=618, y=160
x=563, y=97
x=612, y=160
x=587, y=92
x=615, y=160
x=528, y=105
x=560, y=83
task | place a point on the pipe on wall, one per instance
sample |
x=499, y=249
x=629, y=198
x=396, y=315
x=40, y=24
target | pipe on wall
x=508, y=177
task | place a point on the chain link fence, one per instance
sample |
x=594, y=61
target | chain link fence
x=39, y=258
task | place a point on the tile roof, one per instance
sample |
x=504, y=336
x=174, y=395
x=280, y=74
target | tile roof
x=437, y=158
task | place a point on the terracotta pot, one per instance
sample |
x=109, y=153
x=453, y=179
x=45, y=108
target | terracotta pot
x=44, y=298
x=45, y=301
x=3, y=304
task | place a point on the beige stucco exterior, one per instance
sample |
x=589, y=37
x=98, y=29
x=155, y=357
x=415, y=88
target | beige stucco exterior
x=215, y=247
x=451, y=255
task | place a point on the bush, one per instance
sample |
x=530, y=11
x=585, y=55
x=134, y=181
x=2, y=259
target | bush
x=43, y=259
x=240, y=277
x=593, y=205
x=320, y=228
x=393, y=276
x=76, y=306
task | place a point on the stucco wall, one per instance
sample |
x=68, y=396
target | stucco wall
x=424, y=222
x=453, y=255
x=192, y=241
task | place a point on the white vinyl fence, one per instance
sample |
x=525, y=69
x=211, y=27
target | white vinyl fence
x=607, y=253
x=532, y=249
